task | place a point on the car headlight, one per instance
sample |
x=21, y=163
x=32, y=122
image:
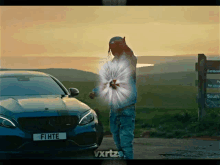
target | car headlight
x=88, y=117
x=4, y=122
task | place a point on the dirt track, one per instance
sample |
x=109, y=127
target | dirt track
x=154, y=148
x=157, y=148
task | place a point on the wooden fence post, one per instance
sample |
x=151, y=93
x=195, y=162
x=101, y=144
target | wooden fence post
x=202, y=72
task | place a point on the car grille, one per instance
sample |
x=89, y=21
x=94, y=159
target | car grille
x=48, y=124
x=86, y=138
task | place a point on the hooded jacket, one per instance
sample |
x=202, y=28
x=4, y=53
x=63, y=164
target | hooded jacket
x=132, y=60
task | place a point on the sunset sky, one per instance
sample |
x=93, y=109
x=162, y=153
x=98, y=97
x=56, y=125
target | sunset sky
x=84, y=31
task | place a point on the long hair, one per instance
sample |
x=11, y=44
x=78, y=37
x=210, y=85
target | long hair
x=126, y=49
x=109, y=51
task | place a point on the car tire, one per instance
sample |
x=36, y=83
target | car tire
x=100, y=135
x=100, y=139
x=100, y=130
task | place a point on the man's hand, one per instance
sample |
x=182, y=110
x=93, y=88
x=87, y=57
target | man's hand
x=92, y=95
x=113, y=84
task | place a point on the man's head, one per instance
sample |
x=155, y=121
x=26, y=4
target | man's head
x=117, y=45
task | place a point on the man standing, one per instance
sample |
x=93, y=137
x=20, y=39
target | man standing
x=122, y=119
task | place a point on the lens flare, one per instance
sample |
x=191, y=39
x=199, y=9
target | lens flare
x=115, y=86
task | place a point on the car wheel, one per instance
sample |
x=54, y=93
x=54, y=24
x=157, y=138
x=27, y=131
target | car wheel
x=101, y=134
x=99, y=137
x=100, y=129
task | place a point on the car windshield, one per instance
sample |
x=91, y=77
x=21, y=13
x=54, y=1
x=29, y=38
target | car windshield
x=22, y=86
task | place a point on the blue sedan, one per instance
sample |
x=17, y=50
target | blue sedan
x=37, y=113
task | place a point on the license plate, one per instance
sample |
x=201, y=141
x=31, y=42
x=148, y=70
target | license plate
x=49, y=136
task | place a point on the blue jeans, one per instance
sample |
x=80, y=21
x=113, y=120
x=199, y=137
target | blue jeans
x=122, y=126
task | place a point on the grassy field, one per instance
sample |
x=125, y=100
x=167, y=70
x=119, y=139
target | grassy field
x=168, y=111
x=166, y=103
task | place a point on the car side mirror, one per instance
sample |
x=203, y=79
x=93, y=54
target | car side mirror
x=73, y=92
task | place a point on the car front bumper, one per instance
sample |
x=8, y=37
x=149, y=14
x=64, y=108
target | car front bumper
x=16, y=141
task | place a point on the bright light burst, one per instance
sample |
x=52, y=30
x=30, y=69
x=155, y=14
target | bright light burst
x=120, y=71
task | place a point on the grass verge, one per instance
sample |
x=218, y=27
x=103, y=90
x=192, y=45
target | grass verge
x=169, y=122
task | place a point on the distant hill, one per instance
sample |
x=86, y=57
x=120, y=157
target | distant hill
x=168, y=67
x=210, y=55
x=175, y=72
x=144, y=70
x=175, y=78
x=66, y=74
x=73, y=75
x=172, y=64
x=166, y=59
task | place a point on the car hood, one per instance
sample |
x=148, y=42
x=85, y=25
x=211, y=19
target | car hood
x=41, y=106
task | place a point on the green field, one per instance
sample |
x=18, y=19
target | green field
x=166, y=102
x=151, y=96
x=169, y=111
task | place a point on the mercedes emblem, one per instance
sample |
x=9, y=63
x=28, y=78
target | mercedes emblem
x=51, y=122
